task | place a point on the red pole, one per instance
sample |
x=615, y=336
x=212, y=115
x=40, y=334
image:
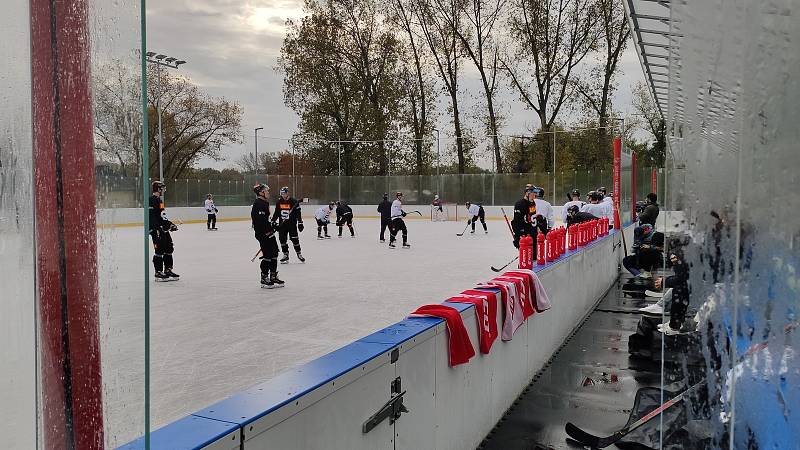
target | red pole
x=617, y=180
x=66, y=252
x=633, y=186
x=654, y=181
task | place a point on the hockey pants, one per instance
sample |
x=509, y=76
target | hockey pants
x=212, y=221
x=395, y=226
x=289, y=230
x=384, y=224
x=162, y=250
x=322, y=225
x=269, y=253
x=482, y=217
x=346, y=220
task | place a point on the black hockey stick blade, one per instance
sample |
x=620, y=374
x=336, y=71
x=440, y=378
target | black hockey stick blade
x=495, y=269
x=462, y=233
x=602, y=442
x=415, y=211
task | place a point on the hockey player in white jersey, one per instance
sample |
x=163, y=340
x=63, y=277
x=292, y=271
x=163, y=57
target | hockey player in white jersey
x=475, y=212
x=607, y=201
x=397, y=224
x=211, y=211
x=594, y=207
x=575, y=200
x=544, y=208
x=323, y=216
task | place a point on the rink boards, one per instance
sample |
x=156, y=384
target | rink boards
x=325, y=403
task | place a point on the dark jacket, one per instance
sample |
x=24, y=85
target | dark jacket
x=524, y=221
x=343, y=212
x=385, y=208
x=579, y=217
x=650, y=214
x=287, y=211
x=260, y=217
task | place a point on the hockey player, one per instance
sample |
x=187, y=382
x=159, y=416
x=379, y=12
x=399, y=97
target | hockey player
x=544, y=209
x=287, y=214
x=574, y=200
x=575, y=216
x=397, y=224
x=524, y=221
x=607, y=201
x=437, y=208
x=211, y=211
x=323, y=216
x=344, y=215
x=594, y=207
x=385, y=208
x=160, y=229
x=265, y=235
x=475, y=212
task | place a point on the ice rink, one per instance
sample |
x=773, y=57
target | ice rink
x=216, y=332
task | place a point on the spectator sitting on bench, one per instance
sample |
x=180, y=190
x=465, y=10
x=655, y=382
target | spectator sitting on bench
x=648, y=246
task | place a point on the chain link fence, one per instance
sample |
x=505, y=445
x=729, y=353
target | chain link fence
x=488, y=189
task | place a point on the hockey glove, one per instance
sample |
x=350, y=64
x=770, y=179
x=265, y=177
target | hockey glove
x=171, y=227
x=403, y=213
x=300, y=227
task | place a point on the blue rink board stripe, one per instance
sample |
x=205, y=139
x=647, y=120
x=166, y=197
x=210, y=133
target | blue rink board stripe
x=212, y=423
x=190, y=432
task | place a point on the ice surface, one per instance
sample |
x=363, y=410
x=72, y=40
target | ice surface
x=216, y=332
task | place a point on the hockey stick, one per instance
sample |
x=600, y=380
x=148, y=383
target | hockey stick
x=602, y=442
x=465, y=229
x=415, y=211
x=256, y=255
x=618, y=226
x=507, y=264
x=510, y=230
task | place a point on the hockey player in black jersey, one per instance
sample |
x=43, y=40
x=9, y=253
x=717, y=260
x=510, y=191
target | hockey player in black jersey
x=265, y=234
x=344, y=215
x=287, y=214
x=525, y=217
x=160, y=229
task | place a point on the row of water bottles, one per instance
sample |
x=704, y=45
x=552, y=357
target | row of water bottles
x=559, y=240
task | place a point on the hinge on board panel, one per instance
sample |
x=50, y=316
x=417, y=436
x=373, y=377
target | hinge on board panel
x=391, y=409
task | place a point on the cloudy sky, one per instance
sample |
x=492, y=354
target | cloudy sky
x=232, y=47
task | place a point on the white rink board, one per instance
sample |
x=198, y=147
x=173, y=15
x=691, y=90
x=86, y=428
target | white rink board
x=451, y=407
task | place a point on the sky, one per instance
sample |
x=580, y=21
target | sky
x=232, y=46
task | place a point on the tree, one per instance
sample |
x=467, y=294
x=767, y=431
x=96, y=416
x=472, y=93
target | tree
x=193, y=125
x=342, y=77
x=416, y=85
x=655, y=155
x=552, y=38
x=438, y=20
x=480, y=46
x=598, y=88
x=117, y=117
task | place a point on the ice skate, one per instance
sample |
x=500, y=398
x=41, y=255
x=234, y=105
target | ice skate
x=391, y=245
x=285, y=259
x=300, y=257
x=327, y=236
x=161, y=277
x=265, y=282
x=406, y=245
x=278, y=283
x=172, y=275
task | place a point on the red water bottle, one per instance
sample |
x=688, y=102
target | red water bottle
x=572, y=242
x=526, y=252
x=594, y=229
x=563, y=241
x=540, y=249
x=548, y=255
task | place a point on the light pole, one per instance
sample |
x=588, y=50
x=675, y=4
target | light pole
x=438, y=164
x=173, y=63
x=256, y=143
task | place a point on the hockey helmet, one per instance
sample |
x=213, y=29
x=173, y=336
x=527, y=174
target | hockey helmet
x=209, y=195
x=575, y=193
x=284, y=190
x=260, y=187
x=159, y=186
x=572, y=210
x=398, y=194
x=602, y=190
